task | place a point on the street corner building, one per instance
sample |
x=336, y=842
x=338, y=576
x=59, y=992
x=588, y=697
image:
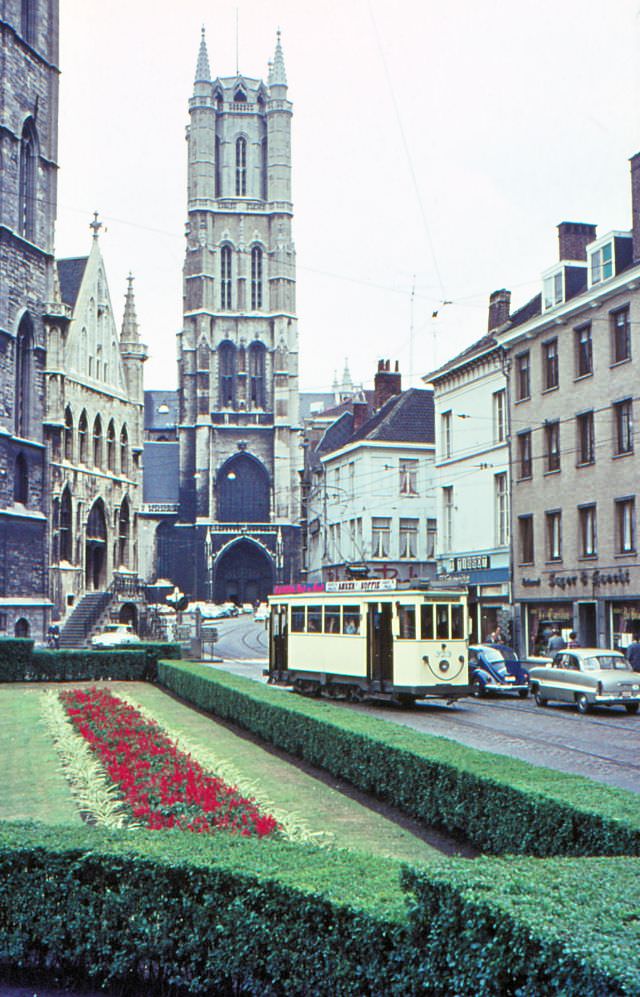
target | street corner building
x=28, y=164
x=236, y=531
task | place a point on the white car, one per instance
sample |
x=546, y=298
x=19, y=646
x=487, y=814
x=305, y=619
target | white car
x=115, y=635
x=262, y=613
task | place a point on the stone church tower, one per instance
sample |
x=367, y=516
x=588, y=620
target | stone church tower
x=238, y=350
x=28, y=155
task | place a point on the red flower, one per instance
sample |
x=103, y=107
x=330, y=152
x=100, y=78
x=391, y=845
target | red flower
x=159, y=784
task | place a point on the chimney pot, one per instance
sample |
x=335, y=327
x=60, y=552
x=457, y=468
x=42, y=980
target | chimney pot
x=573, y=239
x=499, y=305
x=387, y=383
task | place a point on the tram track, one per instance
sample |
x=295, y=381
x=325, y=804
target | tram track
x=559, y=713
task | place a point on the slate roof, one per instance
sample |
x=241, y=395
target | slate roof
x=154, y=401
x=70, y=274
x=533, y=307
x=160, y=472
x=405, y=418
x=476, y=349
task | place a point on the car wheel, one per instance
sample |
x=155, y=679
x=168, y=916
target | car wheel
x=540, y=699
x=632, y=707
x=583, y=704
x=523, y=693
x=478, y=687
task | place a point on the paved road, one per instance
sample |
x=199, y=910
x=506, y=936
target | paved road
x=604, y=745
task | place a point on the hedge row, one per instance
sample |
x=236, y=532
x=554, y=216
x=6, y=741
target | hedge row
x=20, y=662
x=154, y=913
x=501, y=804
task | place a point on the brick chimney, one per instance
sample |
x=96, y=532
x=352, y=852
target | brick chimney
x=360, y=414
x=573, y=239
x=635, y=204
x=387, y=383
x=499, y=304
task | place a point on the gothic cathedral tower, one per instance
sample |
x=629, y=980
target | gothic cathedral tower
x=238, y=350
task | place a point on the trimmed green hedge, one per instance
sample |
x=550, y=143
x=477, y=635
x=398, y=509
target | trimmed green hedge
x=26, y=664
x=165, y=912
x=529, y=927
x=501, y=804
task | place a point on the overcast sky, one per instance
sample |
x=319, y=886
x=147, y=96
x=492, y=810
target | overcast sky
x=435, y=146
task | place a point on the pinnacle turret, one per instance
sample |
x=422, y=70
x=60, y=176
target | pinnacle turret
x=203, y=73
x=277, y=72
x=129, y=332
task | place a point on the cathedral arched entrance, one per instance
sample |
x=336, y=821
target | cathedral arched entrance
x=244, y=572
x=96, y=547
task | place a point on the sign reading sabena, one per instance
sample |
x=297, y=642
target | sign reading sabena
x=594, y=578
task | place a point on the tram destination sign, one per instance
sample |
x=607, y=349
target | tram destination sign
x=362, y=585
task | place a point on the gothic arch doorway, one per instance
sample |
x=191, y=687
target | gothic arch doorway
x=129, y=614
x=96, y=547
x=242, y=573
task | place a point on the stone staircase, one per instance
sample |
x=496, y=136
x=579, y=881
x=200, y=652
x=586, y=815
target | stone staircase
x=77, y=629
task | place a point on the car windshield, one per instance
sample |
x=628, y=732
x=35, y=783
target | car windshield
x=606, y=662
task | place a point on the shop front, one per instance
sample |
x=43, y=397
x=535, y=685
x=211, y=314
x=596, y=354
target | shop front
x=599, y=605
x=488, y=594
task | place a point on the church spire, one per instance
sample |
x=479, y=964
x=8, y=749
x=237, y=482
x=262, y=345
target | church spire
x=129, y=332
x=203, y=73
x=277, y=72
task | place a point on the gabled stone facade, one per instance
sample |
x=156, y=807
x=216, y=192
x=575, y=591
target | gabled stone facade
x=94, y=428
x=28, y=154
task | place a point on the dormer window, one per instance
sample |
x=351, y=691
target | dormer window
x=240, y=97
x=553, y=286
x=602, y=263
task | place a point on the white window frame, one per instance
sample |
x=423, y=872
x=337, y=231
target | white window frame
x=502, y=509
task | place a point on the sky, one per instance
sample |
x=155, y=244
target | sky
x=436, y=147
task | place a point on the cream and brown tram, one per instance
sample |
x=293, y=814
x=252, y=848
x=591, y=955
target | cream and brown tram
x=369, y=639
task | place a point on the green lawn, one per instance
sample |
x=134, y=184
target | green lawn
x=324, y=808
x=34, y=787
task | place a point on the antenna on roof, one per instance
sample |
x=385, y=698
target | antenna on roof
x=413, y=294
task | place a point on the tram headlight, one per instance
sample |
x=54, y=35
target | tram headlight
x=443, y=665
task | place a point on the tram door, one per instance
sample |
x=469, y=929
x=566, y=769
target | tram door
x=278, y=656
x=379, y=643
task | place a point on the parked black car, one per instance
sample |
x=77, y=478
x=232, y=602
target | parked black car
x=497, y=668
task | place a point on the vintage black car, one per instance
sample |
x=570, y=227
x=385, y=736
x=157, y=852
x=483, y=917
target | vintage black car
x=497, y=668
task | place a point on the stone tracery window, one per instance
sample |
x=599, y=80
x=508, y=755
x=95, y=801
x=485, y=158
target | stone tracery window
x=256, y=278
x=241, y=166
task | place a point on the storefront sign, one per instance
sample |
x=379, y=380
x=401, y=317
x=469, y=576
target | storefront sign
x=472, y=562
x=531, y=582
x=620, y=577
x=362, y=585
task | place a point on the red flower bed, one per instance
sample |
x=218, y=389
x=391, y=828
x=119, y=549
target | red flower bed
x=161, y=786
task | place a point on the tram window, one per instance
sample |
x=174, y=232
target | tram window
x=407, y=619
x=426, y=622
x=457, y=628
x=297, y=619
x=351, y=619
x=314, y=619
x=442, y=622
x=332, y=619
